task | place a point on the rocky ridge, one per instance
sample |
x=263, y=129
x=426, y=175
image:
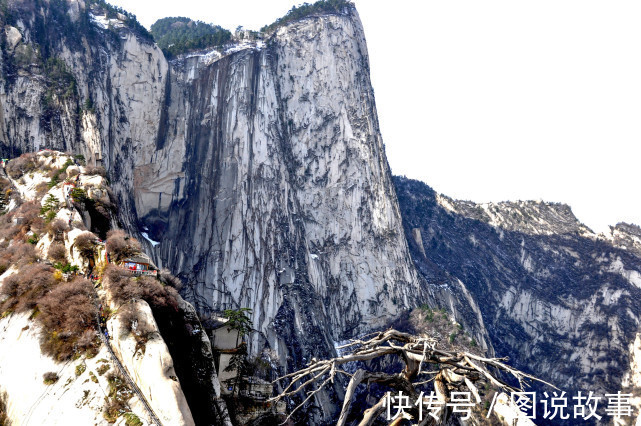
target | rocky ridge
x=556, y=298
x=257, y=174
x=87, y=385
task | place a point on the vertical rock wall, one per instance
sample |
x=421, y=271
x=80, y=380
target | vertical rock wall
x=260, y=172
x=271, y=189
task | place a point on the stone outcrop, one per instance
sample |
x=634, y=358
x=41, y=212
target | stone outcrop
x=258, y=175
x=150, y=366
x=283, y=200
x=559, y=300
x=78, y=395
x=72, y=399
x=260, y=171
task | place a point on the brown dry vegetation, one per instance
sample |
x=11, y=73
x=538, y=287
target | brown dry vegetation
x=26, y=163
x=25, y=288
x=139, y=327
x=129, y=315
x=57, y=228
x=42, y=188
x=27, y=218
x=57, y=174
x=57, y=253
x=4, y=415
x=97, y=170
x=50, y=378
x=86, y=244
x=121, y=246
x=65, y=311
x=15, y=248
x=6, y=193
x=124, y=287
x=68, y=317
x=169, y=279
x=116, y=403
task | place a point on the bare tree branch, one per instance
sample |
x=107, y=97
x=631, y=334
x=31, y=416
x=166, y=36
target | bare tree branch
x=455, y=370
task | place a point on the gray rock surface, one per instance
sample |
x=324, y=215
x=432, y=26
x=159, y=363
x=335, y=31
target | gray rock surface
x=260, y=171
x=258, y=175
x=559, y=300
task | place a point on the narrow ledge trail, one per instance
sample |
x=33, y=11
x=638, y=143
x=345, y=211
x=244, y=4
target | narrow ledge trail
x=123, y=371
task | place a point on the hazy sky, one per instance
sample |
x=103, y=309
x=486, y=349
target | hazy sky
x=494, y=100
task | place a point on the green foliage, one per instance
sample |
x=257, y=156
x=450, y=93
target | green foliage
x=429, y=315
x=53, y=24
x=132, y=420
x=80, y=368
x=24, y=55
x=61, y=80
x=179, y=35
x=239, y=320
x=61, y=86
x=33, y=239
x=87, y=107
x=67, y=163
x=50, y=207
x=473, y=343
x=50, y=378
x=79, y=195
x=306, y=9
x=6, y=18
x=452, y=337
x=240, y=364
x=79, y=157
x=66, y=268
x=129, y=19
x=55, y=179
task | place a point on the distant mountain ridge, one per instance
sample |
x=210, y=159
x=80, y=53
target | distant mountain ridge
x=258, y=174
x=559, y=300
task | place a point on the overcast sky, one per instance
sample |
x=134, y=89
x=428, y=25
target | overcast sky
x=494, y=100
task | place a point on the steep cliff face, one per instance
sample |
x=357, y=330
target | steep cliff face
x=559, y=300
x=74, y=80
x=283, y=200
x=258, y=175
x=45, y=379
x=72, y=399
x=260, y=171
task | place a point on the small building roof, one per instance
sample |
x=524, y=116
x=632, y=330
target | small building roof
x=216, y=322
x=141, y=258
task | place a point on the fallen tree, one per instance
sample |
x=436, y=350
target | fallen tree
x=450, y=372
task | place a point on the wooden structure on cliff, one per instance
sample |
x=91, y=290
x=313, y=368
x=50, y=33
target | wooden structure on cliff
x=140, y=264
